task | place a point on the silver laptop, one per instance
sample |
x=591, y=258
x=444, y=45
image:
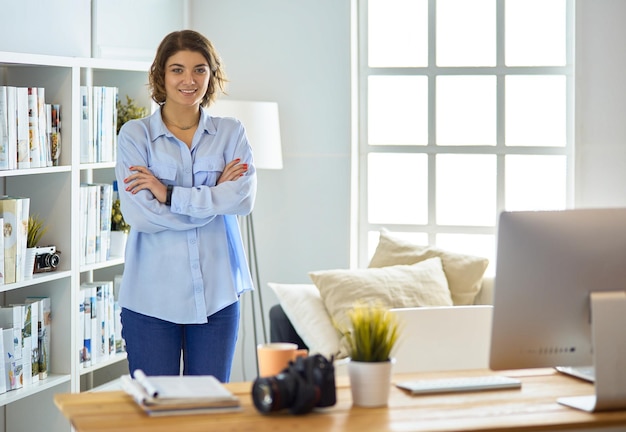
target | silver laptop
x=443, y=338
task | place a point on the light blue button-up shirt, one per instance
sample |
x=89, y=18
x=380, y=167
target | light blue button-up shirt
x=186, y=261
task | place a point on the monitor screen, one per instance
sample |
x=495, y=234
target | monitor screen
x=548, y=264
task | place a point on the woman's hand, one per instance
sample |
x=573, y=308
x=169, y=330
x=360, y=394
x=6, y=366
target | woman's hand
x=232, y=171
x=142, y=178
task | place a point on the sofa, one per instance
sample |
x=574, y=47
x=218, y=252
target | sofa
x=400, y=274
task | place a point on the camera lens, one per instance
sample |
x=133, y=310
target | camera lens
x=263, y=395
x=53, y=260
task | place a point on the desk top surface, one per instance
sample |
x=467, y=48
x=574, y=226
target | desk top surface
x=533, y=407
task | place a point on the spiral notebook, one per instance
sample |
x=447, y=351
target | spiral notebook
x=177, y=395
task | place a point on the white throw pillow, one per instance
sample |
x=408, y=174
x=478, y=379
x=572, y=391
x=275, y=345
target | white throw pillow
x=305, y=309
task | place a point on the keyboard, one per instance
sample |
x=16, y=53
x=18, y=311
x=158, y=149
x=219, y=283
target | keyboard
x=463, y=384
x=587, y=373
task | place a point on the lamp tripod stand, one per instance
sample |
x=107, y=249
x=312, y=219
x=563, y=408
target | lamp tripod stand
x=253, y=265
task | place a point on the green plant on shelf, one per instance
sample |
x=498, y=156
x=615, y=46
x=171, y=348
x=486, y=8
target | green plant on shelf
x=36, y=229
x=128, y=111
x=117, y=220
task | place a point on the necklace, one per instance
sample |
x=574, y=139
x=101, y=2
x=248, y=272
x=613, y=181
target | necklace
x=183, y=128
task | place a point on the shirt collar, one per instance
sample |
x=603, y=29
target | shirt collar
x=158, y=128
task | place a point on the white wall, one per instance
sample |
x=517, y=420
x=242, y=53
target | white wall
x=600, y=103
x=297, y=53
x=60, y=27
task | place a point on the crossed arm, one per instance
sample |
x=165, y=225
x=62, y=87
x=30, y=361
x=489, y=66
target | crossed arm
x=142, y=178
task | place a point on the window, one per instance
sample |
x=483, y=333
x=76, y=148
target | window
x=465, y=110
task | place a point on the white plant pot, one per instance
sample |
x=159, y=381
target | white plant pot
x=370, y=382
x=29, y=262
x=118, y=244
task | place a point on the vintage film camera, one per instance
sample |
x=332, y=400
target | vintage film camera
x=46, y=259
x=307, y=382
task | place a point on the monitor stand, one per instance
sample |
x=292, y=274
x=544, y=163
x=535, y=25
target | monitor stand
x=608, y=321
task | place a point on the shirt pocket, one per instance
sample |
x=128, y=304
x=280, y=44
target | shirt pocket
x=207, y=169
x=164, y=172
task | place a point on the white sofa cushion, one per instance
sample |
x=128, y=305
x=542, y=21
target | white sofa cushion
x=303, y=305
x=464, y=272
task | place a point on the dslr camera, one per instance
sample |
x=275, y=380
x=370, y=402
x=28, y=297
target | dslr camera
x=46, y=259
x=307, y=382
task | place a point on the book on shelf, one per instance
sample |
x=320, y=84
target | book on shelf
x=4, y=129
x=3, y=373
x=81, y=328
x=11, y=112
x=102, y=340
x=177, y=395
x=97, y=318
x=105, y=206
x=98, y=124
x=120, y=345
x=95, y=231
x=34, y=140
x=44, y=121
x=89, y=322
x=55, y=133
x=12, y=323
x=22, y=237
x=12, y=211
x=23, y=139
x=91, y=221
x=43, y=333
x=8, y=211
x=1, y=252
x=30, y=346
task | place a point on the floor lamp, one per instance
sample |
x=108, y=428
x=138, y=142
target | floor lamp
x=263, y=131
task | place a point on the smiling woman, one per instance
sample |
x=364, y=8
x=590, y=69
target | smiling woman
x=186, y=176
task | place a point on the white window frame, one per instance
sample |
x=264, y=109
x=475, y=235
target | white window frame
x=360, y=226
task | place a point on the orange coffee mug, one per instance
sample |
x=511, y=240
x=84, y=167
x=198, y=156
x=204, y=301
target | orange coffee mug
x=274, y=357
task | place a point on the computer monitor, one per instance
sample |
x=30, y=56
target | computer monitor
x=552, y=269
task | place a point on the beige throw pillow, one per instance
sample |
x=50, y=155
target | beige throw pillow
x=463, y=272
x=421, y=284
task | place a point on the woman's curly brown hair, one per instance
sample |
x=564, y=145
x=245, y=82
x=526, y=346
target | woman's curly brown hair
x=192, y=41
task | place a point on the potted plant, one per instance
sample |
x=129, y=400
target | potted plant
x=119, y=227
x=36, y=229
x=371, y=337
x=128, y=111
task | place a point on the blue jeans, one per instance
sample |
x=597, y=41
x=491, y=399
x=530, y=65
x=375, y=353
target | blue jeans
x=155, y=346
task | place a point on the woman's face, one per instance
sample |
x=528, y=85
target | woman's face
x=187, y=76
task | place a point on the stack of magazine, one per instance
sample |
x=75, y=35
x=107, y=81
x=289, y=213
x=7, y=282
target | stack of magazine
x=178, y=395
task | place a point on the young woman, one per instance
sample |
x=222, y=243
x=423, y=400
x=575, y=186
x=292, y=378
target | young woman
x=184, y=177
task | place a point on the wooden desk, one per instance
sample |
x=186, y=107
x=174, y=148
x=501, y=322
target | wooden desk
x=532, y=408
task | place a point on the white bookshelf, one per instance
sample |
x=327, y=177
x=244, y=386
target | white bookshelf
x=54, y=194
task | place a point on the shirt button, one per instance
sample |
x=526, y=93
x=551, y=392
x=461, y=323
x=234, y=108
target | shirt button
x=192, y=241
x=195, y=266
x=188, y=170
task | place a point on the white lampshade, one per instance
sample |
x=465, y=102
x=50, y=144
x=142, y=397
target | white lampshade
x=262, y=128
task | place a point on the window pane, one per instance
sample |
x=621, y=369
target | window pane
x=466, y=190
x=466, y=110
x=397, y=33
x=535, y=32
x=483, y=245
x=397, y=110
x=535, y=182
x=535, y=111
x=397, y=188
x=466, y=32
x=373, y=237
